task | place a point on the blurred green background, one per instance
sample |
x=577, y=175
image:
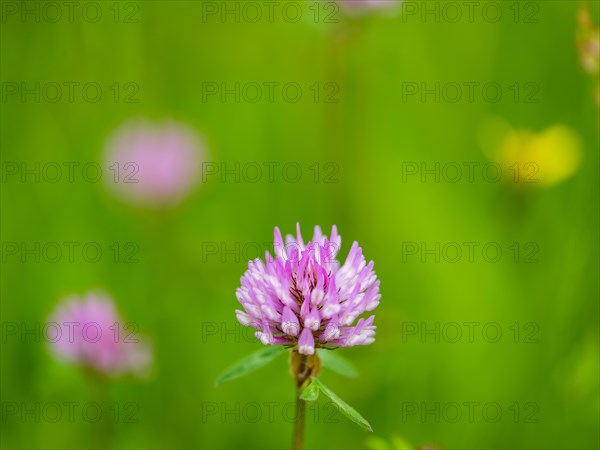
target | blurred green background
x=176, y=288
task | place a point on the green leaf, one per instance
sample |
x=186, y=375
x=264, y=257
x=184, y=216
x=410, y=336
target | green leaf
x=400, y=443
x=250, y=363
x=310, y=392
x=337, y=363
x=377, y=443
x=344, y=407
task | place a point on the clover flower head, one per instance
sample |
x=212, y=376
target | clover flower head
x=91, y=333
x=154, y=165
x=304, y=297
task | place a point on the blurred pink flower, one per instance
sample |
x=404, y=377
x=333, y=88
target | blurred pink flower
x=154, y=165
x=365, y=6
x=91, y=333
x=588, y=46
x=588, y=41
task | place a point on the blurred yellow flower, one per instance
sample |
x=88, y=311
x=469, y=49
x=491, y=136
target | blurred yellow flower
x=541, y=159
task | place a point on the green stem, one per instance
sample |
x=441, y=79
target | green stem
x=102, y=432
x=303, y=367
x=299, y=424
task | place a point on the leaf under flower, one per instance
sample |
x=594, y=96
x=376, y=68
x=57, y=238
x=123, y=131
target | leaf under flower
x=338, y=364
x=344, y=407
x=310, y=393
x=250, y=363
